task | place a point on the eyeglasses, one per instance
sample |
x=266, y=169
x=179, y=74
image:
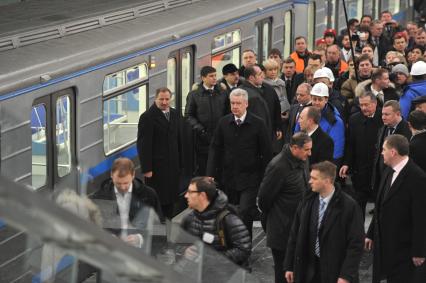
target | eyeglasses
x=192, y=192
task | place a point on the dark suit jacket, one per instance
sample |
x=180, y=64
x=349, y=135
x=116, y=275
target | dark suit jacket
x=341, y=239
x=418, y=150
x=241, y=153
x=159, y=149
x=360, y=147
x=292, y=114
x=398, y=228
x=378, y=167
x=322, y=147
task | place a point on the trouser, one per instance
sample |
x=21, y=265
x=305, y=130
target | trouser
x=278, y=257
x=246, y=201
x=402, y=273
x=317, y=274
x=202, y=158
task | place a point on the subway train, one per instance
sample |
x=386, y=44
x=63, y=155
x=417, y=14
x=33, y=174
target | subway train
x=75, y=76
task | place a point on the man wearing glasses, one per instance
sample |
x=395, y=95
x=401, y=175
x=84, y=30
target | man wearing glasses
x=211, y=220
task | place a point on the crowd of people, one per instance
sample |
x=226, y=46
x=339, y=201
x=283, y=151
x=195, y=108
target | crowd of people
x=303, y=143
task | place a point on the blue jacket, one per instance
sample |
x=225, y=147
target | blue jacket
x=412, y=91
x=332, y=124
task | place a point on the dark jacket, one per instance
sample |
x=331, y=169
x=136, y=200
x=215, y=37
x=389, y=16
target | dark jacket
x=159, y=151
x=293, y=113
x=238, y=241
x=203, y=110
x=378, y=166
x=388, y=94
x=241, y=153
x=274, y=106
x=398, y=228
x=361, y=147
x=322, y=147
x=143, y=197
x=341, y=239
x=418, y=150
x=282, y=188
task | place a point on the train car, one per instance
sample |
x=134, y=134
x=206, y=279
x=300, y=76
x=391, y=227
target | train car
x=75, y=76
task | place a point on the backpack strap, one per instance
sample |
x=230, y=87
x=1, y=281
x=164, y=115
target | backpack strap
x=220, y=226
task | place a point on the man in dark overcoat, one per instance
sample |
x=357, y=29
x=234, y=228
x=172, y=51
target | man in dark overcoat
x=322, y=144
x=159, y=149
x=240, y=150
x=417, y=122
x=397, y=233
x=283, y=186
x=303, y=99
x=360, y=147
x=327, y=235
x=393, y=123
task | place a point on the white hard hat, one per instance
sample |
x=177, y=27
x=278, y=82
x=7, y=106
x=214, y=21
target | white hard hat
x=320, y=89
x=320, y=73
x=418, y=68
x=329, y=73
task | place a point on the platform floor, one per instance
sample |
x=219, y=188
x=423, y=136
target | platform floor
x=263, y=264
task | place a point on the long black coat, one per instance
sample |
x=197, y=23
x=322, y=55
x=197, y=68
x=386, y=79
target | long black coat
x=378, y=167
x=341, y=239
x=418, y=150
x=240, y=152
x=398, y=228
x=322, y=147
x=361, y=147
x=159, y=150
x=282, y=188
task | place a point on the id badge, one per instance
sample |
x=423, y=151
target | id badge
x=208, y=238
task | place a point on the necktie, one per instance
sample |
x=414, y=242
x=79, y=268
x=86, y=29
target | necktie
x=388, y=183
x=390, y=131
x=167, y=115
x=320, y=216
x=380, y=96
x=238, y=121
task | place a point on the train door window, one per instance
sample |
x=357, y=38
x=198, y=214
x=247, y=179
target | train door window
x=53, y=139
x=171, y=79
x=331, y=12
x=186, y=76
x=376, y=9
x=63, y=135
x=263, y=34
x=226, y=48
x=122, y=106
x=354, y=8
x=288, y=23
x=39, y=146
x=394, y=6
x=311, y=25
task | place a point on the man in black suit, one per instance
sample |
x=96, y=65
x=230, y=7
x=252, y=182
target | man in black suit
x=159, y=149
x=397, y=233
x=132, y=200
x=417, y=123
x=303, y=97
x=360, y=147
x=327, y=235
x=393, y=124
x=322, y=144
x=240, y=150
x=283, y=186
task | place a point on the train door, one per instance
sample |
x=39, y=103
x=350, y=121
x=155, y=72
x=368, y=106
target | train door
x=180, y=74
x=53, y=141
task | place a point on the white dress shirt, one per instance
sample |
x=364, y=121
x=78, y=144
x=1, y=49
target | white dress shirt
x=398, y=168
x=123, y=202
x=242, y=118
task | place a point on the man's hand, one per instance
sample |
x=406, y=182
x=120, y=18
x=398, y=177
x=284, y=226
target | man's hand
x=289, y=276
x=418, y=261
x=147, y=174
x=279, y=135
x=134, y=240
x=343, y=172
x=368, y=244
x=341, y=280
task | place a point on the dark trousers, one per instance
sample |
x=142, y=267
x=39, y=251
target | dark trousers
x=402, y=273
x=317, y=274
x=202, y=158
x=167, y=210
x=246, y=202
x=279, y=256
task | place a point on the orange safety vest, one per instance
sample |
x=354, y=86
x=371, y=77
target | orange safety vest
x=343, y=67
x=300, y=63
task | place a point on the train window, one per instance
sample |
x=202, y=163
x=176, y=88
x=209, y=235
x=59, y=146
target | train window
x=63, y=135
x=226, y=49
x=331, y=12
x=311, y=25
x=39, y=146
x=288, y=20
x=125, y=78
x=376, y=9
x=186, y=77
x=394, y=6
x=171, y=79
x=121, y=116
x=263, y=32
x=354, y=8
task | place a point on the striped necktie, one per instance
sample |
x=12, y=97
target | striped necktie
x=320, y=216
